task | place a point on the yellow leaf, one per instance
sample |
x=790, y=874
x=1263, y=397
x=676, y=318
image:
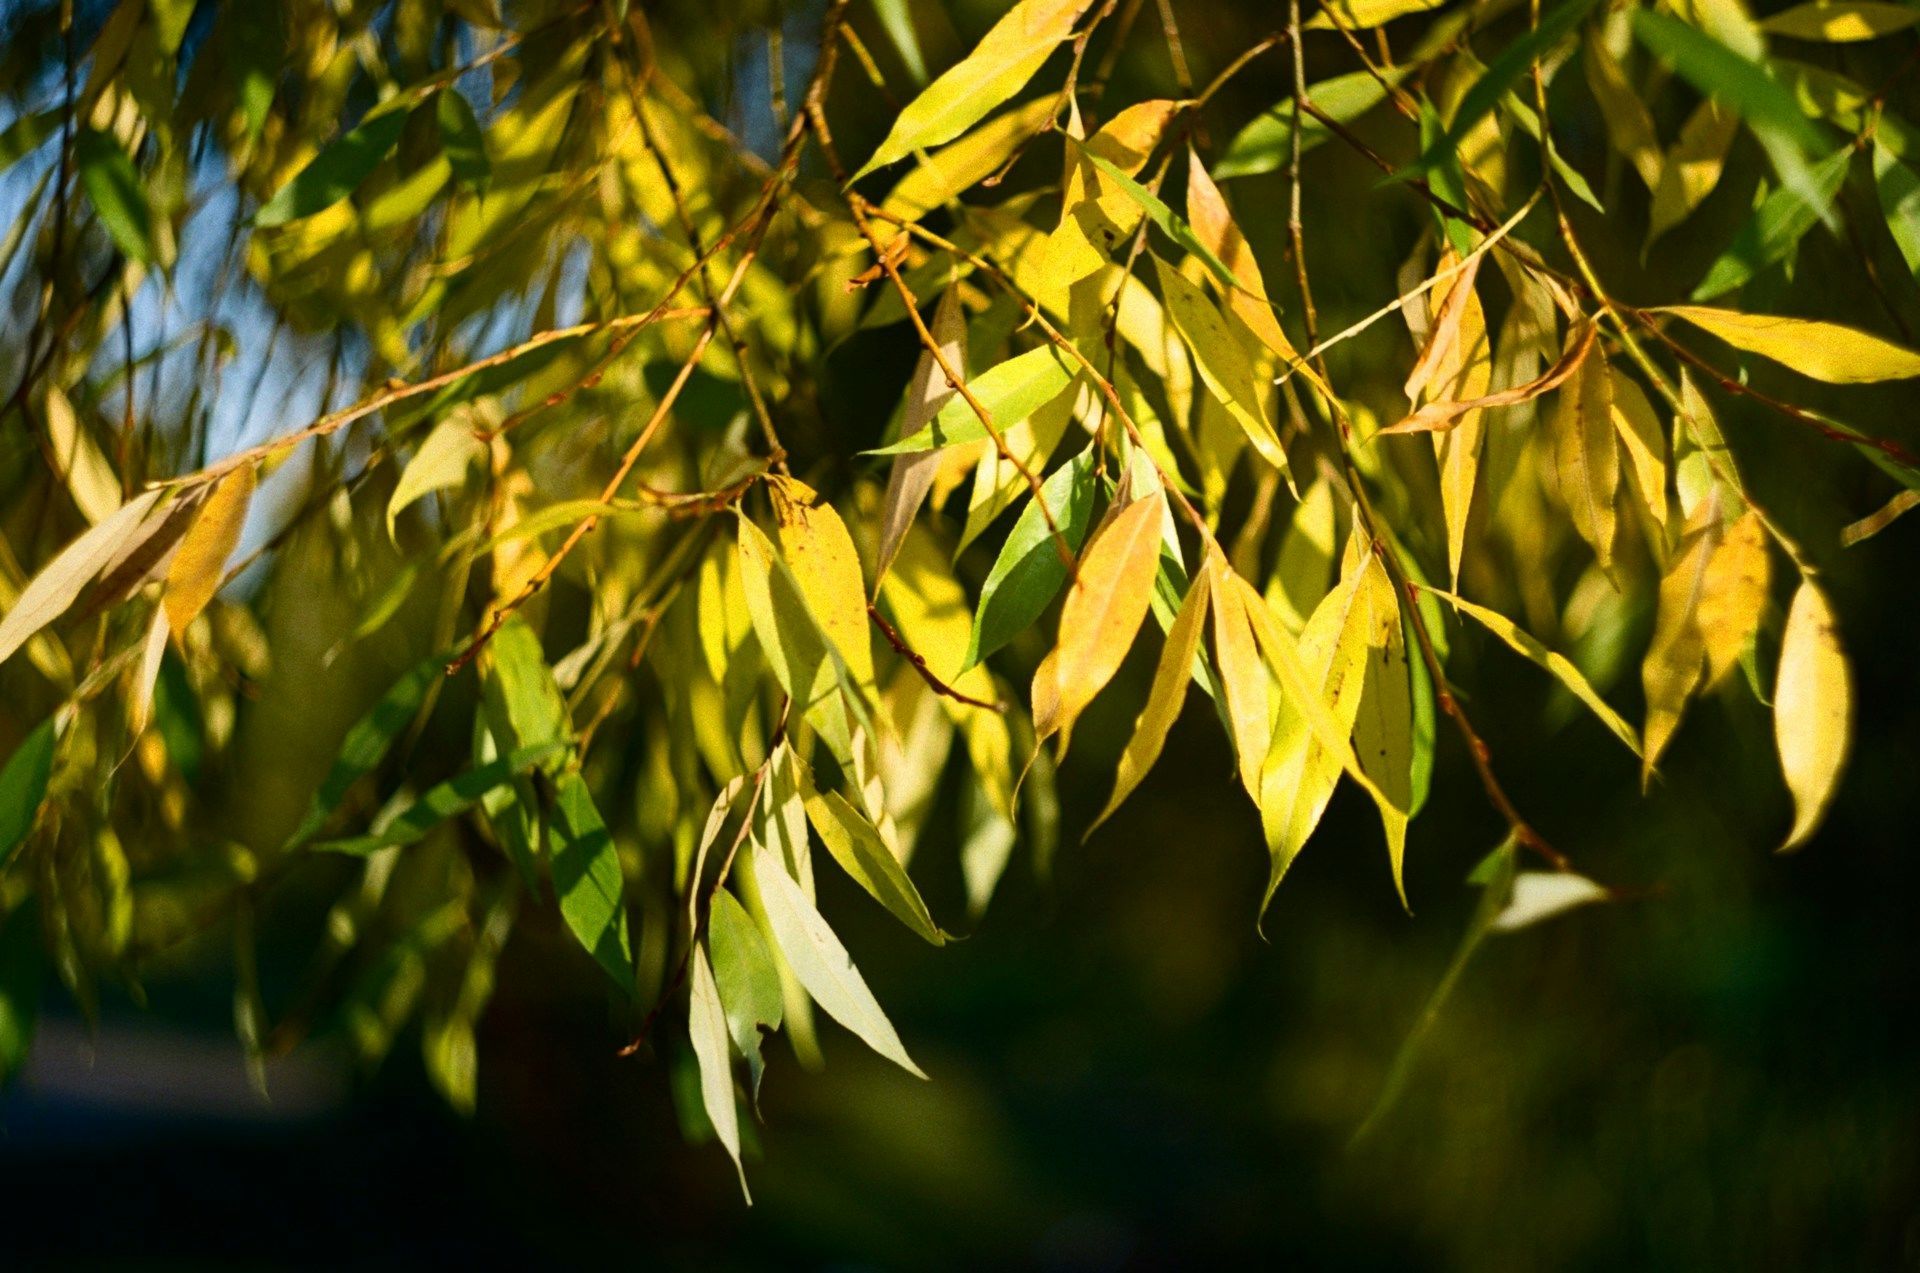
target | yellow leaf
x=1812, y=709
x=1003, y=61
x=1169, y=692
x=1213, y=225
x=1586, y=455
x=820, y=551
x=441, y=462
x=1677, y=653
x=1362, y=14
x=1222, y=360
x=801, y=658
x=948, y=172
x=1735, y=594
x=1842, y=21
x=1243, y=675
x=1825, y=351
x=199, y=567
x=857, y=846
x=1102, y=612
x=1645, y=443
x=1383, y=729
x=912, y=475
x=1527, y=645
x=1623, y=109
x=1456, y=365
x=1691, y=169
x=89, y=478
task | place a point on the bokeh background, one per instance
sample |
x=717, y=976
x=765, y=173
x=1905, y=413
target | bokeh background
x=1720, y=1073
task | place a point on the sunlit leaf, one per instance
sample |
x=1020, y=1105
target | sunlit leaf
x=1812, y=709
x=1825, y=351
x=335, y=172
x=707, y=1025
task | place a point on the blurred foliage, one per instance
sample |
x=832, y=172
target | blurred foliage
x=485, y=493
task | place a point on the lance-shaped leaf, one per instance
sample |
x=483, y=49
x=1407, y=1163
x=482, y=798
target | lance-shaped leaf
x=587, y=878
x=1825, y=351
x=911, y=476
x=1102, y=613
x=999, y=66
x=1587, y=455
x=23, y=785
x=1385, y=727
x=806, y=664
x=1164, y=699
x=367, y=743
x=1676, y=657
x=437, y=804
x=50, y=592
x=1735, y=596
x=747, y=978
x=461, y=140
x=1812, y=709
x=1691, y=169
x=1028, y=571
x=1266, y=143
x=1841, y=21
x=1222, y=361
x=335, y=172
x=442, y=461
x=1505, y=71
x=947, y=173
x=1775, y=229
x=1540, y=895
x=707, y=1027
x=1360, y=15
x=1529, y=647
x=1214, y=226
x=1243, y=675
x=114, y=189
x=1010, y=392
x=821, y=963
x=821, y=555
x=199, y=568
x=856, y=845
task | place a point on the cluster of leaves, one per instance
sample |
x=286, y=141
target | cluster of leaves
x=590, y=326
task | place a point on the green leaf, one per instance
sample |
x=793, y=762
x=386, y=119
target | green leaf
x=999, y=66
x=1749, y=89
x=897, y=17
x=23, y=785
x=1899, y=190
x=1774, y=230
x=26, y=134
x=114, y=188
x=367, y=742
x=335, y=172
x=707, y=1027
x=1010, y=391
x=587, y=877
x=856, y=845
x=461, y=139
x=1266, y=143
x=1504, y=71
x=747, y=977
x=820, y=962
x=438, y=803
x=1029, y=571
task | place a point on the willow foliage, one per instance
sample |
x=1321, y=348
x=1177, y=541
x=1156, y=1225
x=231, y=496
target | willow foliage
x=478, y=348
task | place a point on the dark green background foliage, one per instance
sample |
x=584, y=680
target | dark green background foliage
x=1719, y=1070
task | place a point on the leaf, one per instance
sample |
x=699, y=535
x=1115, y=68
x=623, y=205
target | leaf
x=1505, y=70
x=1442, y=414
x=23, y=785
x=1841, y=21
x=1456, y=364
x=707, y=1025
x=949, y=172
x=1103, y=611
x=587, y=878
x=1541, y=895
x=26, y=135
x=56, y=587
x=1213, y=225
x=820, y=962
x=911, y=476
x=1361, y=15
x=1010, y=391
x=335, y=172
x=1899, y=189
x=1774, y=230
x=1169, y=222
x=1587, y=455
x=1385, y=735
x=114, y=189
x=821, y=555
x=999, y=66
x=1164, y=699
x=437, y=804
x=1266, y=143
x=856, y=845
x=1028, y=571
x=747, y=978
x=897, y=17
x=1873, y=523
x=460, y=138
x=1624, y=112
x=366, y=743
x=1744, y=86
x=807, y=666
x=1676, y=657
x=1222, y=362
x=1691, y=169
x=441, y=462
x=1243, y=676
x=199, y=568
x=1812, y=709
x=1825, y=351
x=1734, y=596
x=1529, y=647
x=81, y=466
